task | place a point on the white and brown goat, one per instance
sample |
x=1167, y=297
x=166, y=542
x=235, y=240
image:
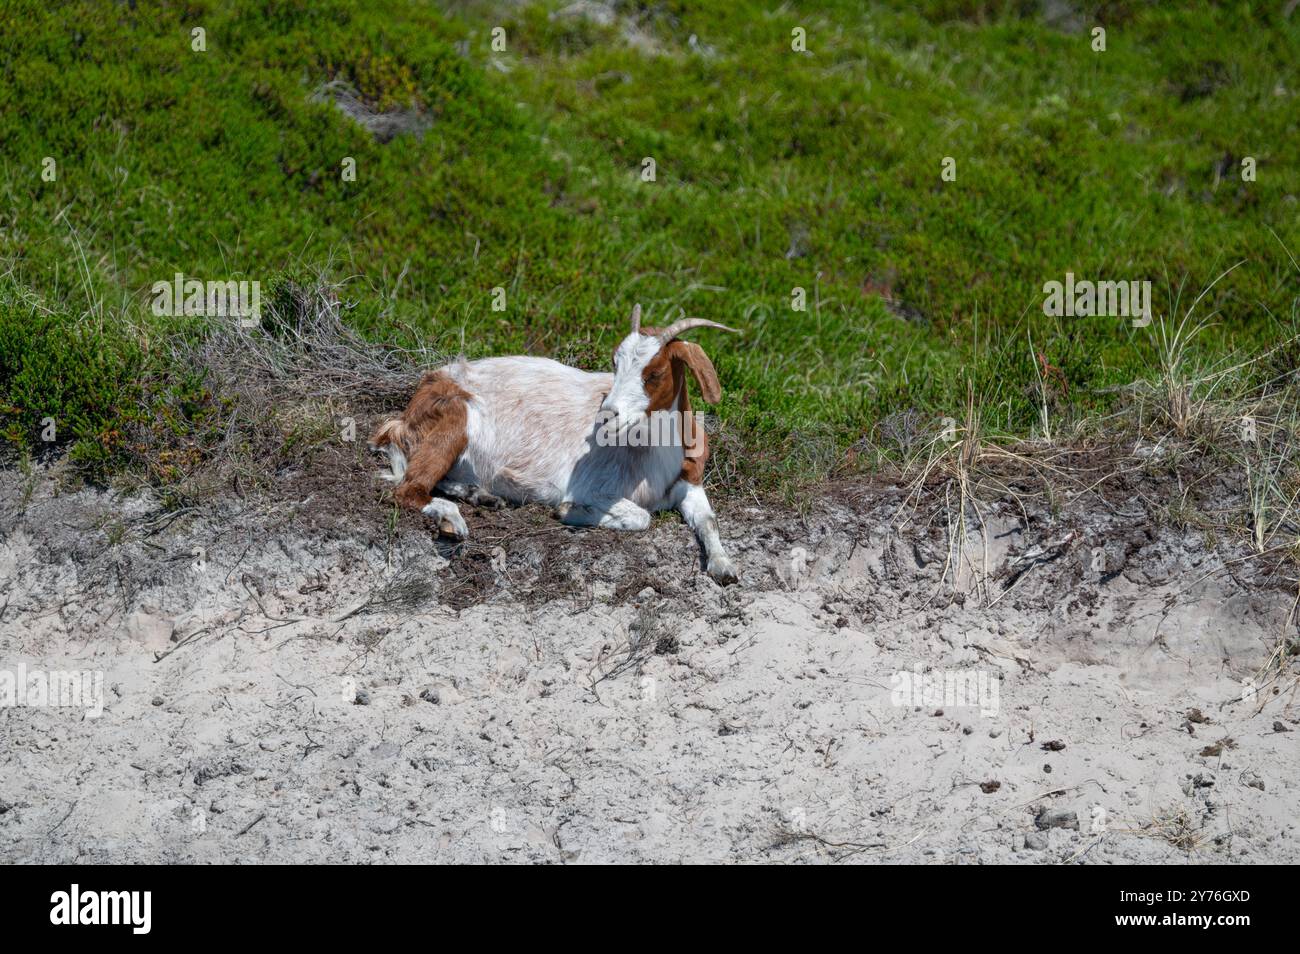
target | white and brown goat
x=604, y=449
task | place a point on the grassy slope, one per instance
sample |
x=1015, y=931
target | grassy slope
x=774, y=169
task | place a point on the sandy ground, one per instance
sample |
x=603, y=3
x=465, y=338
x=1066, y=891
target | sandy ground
x=283, y=685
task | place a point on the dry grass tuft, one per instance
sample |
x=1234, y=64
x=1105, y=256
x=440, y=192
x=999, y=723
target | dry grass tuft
x=268, y=401
x=304, y=349
x=1175, y=825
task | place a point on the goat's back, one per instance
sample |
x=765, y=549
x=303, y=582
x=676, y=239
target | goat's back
x=529, y=422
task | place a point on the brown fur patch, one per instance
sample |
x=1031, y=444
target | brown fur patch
x=696, y=443
x=664, y=378
x=431, y=433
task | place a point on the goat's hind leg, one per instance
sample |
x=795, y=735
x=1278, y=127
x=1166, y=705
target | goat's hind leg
x=620, y=514
x=474, y=495
x=441, y=441
x=450, y=522
x=416, y=489
x=696, y=510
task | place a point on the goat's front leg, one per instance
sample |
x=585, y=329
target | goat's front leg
x=618, y=514
x=427, y=466
x=696, y=510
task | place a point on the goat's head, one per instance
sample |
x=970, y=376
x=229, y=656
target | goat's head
x=650, y=366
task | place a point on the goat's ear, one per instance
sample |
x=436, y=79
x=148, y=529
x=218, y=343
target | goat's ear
x=694, y=358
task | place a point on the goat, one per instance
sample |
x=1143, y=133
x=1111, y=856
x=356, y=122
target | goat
x=603, y=449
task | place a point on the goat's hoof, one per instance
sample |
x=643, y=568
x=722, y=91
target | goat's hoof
x=481, y=498
x=450, y=522
x=723, y=571
x=447, y=528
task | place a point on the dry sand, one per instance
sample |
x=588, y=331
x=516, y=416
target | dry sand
x=284, y=685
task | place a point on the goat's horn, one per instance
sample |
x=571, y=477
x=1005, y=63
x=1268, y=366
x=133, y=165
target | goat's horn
x=686, y=324
x=636, y=319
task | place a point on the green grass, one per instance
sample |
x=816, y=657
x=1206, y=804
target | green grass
x=774, y=170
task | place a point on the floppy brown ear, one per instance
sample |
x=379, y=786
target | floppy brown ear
x=693, y=356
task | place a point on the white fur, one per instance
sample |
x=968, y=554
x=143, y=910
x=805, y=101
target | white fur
x=627, y=398
x=396, y=464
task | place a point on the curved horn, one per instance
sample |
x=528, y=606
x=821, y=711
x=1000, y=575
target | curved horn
x=636, y=319
x=686, y=324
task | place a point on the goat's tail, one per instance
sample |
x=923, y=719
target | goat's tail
x=396, y=437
